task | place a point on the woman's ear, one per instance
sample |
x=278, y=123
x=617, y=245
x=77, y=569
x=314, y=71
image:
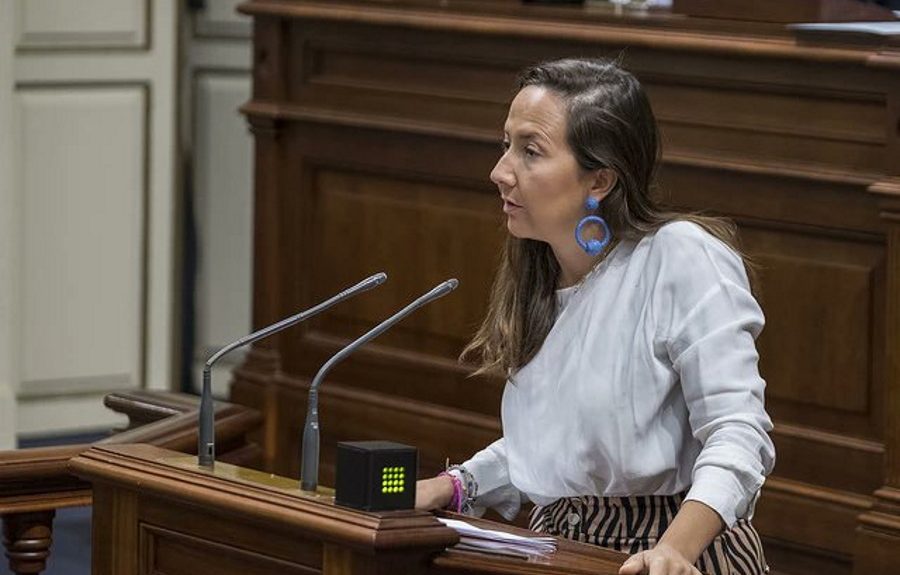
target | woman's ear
x=604, y=180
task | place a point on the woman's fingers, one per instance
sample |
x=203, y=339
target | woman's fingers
x=657, y=563
x=635, y=565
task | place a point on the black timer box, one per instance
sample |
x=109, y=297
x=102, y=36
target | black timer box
x=375, y=475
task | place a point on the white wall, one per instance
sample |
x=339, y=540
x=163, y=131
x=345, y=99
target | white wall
x=8, y=234
x=92, y=152
x=88, y=202
x=216, y=81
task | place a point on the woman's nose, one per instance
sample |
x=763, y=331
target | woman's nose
x=502, y=175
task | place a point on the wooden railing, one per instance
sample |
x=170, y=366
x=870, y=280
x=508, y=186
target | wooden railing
x=34, y=483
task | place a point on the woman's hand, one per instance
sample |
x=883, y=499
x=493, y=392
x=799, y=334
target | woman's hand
x=694, y=528
x=661, y=560
x=434, y=493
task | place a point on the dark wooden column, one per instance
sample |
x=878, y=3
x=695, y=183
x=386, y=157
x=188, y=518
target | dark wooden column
x=255, y=377
x=27, y=538
x=878, y=537
x=878, y=534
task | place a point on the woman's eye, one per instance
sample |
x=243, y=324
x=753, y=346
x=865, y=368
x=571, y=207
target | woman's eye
x=504, y=146
x=531, y=152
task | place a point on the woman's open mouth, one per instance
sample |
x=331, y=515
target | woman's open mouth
x=509, y=206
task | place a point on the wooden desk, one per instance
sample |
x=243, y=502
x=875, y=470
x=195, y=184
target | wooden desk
x=156, y=511
x=376, y=126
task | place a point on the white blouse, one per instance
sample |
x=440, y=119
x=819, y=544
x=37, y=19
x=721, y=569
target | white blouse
x=647, y=384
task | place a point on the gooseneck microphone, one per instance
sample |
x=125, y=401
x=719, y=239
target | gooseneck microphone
x=206, y=446
x=309, y=468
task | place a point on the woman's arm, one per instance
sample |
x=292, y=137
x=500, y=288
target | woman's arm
x=709, y=320
x=693, y=529
x=434, y=493
x=490, y=485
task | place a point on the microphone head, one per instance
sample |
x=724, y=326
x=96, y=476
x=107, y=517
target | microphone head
x=445, y=287
x=370, y=282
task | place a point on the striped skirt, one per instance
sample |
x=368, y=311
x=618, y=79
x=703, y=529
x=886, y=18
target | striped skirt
x=633, y=524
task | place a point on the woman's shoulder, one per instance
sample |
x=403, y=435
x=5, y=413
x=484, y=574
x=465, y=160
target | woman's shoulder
x=687, y=239
x=682, y=233
x=683, y=247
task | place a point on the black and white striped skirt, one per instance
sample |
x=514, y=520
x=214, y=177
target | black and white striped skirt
x=633, y=524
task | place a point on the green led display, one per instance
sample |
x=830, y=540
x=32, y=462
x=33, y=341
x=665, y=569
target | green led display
x=392, y=479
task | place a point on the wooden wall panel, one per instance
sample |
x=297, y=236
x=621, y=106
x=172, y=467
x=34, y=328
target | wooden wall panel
x=806, y=319
x=815, y=200
x=167, y=552
x=415, y=76
x=203, y=537
x=355, y=414
x=89, y=24
x=834, y=461
x=852, y=116
x=400, y=226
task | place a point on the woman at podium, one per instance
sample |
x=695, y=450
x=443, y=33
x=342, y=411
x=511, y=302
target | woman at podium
x=633, y=414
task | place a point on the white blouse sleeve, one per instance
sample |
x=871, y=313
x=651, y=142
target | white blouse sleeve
x=490, y=471
x=711, y=322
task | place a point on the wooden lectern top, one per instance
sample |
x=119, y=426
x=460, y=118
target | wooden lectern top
x=152, y=507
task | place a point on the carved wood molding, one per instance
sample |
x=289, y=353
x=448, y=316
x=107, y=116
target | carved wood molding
x=261, y=109
x=885, y=514
x=833, y=439
x=846, y=499
x=267, y=115
x=664, y=35
x=261, y=363
x=889, y=191
x=268, y=126
x=888, y=58
x=162, y=473
x=39, y=479
x=36, y=482
x=878, y=533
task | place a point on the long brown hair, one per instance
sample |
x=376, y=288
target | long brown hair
x=609, y=125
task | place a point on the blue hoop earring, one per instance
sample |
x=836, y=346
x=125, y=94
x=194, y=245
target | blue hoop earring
x=592, y=246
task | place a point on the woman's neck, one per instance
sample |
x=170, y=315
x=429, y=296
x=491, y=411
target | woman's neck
x=574, y=264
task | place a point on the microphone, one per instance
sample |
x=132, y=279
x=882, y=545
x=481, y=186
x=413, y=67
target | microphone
x=206, y=444
x=309, y=468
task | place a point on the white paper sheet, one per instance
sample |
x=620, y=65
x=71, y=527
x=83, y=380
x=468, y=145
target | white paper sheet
x=490, y=541
x=874, y=28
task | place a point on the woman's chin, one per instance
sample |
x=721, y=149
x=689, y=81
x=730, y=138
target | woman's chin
x=518, y=230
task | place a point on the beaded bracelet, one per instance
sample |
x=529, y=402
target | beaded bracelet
x=468, y=491
x=457, y=499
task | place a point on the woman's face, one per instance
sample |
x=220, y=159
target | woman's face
x=542, y=186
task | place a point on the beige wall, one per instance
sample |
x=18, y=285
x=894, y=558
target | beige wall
x=8, y=234
x=90, y=105
x=88, y=208
x=216, y=80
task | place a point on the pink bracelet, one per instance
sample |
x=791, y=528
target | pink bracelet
x=458, y=497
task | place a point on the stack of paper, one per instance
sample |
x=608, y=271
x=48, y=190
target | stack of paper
x=474, y=538
x=868, y=28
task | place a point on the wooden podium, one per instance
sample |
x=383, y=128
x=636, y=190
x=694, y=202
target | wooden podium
x=156, y=511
